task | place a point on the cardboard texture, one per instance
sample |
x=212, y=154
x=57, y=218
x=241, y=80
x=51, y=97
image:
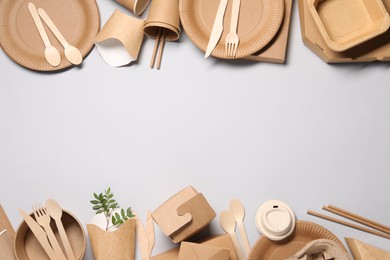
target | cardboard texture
x=136, y=6
x=119, y=42
x=376, y=49
x=344, y=24
x=276, y=50
x=163, y=14
x=363, y=251
x=184, y=214
x=118, y=244
x=6, y=246
x=196, y=251
x=6, y=224
x=220, y=241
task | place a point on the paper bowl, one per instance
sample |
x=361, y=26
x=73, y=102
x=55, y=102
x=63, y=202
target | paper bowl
x=347, y=23
x=27, y=247
x=305, y=232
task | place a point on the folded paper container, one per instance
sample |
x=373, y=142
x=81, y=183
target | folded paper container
x=117, y=244
x=119, y=42
x=183, y=215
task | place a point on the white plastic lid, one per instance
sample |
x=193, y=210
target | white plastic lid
x=275, y=220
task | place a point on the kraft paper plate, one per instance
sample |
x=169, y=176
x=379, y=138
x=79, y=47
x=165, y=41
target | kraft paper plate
x=27, y=246
x=305, y=232
x=259, y=21
x=79, y=22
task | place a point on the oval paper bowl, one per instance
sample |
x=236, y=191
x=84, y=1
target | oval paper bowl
x=27, y=246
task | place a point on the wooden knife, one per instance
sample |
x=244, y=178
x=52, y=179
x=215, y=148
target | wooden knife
x=217, y=30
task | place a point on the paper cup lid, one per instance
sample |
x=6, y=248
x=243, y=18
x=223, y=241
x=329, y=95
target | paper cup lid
x=275, y=220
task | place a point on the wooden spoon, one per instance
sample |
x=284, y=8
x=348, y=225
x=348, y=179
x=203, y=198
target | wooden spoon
x=55, y=211
x=238, y=212
x=52, y=55
x=72, y=54
x=228, y=224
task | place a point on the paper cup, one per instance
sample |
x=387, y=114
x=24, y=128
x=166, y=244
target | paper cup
x=118, y=244
x=163, y=14
x=6, y=246
x=136, y=6
x=119, y=42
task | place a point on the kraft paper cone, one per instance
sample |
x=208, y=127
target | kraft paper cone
x=118, y=244
x=136, y=6
x=120, y=40
x=6, y=224
x=6, y=246
x=163, y=14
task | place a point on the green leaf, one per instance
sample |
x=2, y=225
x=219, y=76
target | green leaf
x=94, y=201
x=108, y=190
x=99, y=211
x=109, y=196
x=113, y=220
x=123, y=213
x=117, y=216
x=96, y=196
x=101, y=197
x=96, y=207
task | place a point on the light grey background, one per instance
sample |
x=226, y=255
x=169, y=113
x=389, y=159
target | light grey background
x=306, y=133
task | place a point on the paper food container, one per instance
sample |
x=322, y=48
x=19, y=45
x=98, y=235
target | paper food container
x=219, y=241
x=345, y=24
x=375, y=49
x=118, y=244
x=136, y=6
x=27, y=246
x=184, y=214
x=163, y=14
x=119, y=42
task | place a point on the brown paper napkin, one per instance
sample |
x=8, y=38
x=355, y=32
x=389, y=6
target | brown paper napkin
x=6, y=246
x=120, y=40
x=118, y=244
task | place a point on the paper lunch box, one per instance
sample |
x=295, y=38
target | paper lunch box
x=184, y=214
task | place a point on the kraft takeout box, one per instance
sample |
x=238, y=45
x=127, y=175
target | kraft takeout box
x=196, y=251
x=375, y=49
x=163, y=14
x=117, y=244
x=184, y=214
x=136, y=6
x=119, y=42
x=345, y=24
x=220, y=241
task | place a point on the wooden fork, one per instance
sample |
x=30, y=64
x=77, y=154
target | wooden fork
x=232, y=40
x=43, y=219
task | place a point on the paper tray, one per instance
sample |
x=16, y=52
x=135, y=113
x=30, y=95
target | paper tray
x=346, y=23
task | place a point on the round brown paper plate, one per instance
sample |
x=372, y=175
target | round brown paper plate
x=27, y=246
x=259, y=21
x=305, y=232
x=78, y=21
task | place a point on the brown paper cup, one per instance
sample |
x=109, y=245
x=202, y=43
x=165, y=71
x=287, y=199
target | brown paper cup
x=6, y=246
x=136, y=6
x=163, y=14
x=120, y=31
x=118, y=244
